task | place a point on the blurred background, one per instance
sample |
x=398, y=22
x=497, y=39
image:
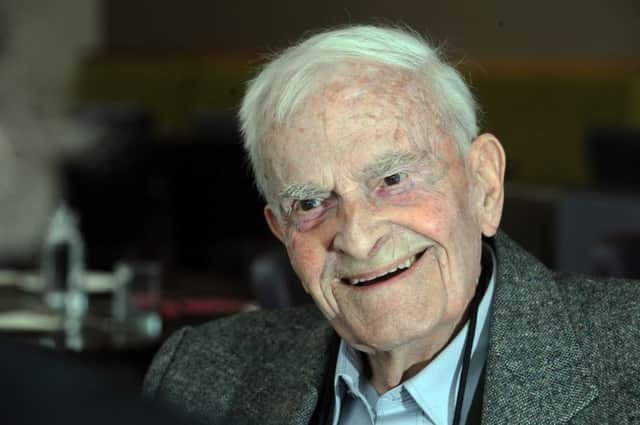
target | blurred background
x=126, y=205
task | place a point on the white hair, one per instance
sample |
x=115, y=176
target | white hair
x=292, y=75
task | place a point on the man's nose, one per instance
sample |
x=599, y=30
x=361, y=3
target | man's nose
x=360, y=230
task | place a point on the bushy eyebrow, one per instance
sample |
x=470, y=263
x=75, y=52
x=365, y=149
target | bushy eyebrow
x=388, y=164
x=301, y=191
x=382, y=166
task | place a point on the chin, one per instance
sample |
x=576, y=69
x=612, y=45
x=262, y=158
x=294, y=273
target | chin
x=384, y=341
x=362, y=341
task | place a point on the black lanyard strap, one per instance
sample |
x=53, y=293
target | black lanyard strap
x=481, y=288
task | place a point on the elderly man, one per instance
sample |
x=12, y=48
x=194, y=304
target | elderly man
x=365, y=145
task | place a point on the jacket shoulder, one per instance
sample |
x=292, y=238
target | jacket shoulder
x=207, y=369
x=610, y=301
x=605, y=315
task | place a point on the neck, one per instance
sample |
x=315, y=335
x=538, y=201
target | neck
x=391, y=368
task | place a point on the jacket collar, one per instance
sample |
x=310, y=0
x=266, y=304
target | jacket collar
x=536, y=371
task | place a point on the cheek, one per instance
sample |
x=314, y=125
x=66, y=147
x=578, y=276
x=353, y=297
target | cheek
x=307, y=258
x=425, y=215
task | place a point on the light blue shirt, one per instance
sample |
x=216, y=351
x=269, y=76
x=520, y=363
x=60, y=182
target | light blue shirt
x=429, y=397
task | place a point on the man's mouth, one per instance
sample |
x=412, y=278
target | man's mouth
x=384, y=276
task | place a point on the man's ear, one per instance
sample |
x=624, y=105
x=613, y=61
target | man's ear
x=487, y=164
x=274, y=224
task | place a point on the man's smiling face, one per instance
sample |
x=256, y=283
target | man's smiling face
x=377, y=211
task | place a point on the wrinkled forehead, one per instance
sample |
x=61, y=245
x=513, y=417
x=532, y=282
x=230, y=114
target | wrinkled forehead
x=359, y=90
x=378, y=91
x=357, y=102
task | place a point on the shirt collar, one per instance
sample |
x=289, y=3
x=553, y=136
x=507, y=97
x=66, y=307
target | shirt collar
x=434, y=388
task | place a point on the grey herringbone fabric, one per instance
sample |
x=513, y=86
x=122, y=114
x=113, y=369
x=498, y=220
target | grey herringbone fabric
x=563, y=349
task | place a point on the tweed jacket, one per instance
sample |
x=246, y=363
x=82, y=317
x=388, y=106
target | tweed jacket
x=563, y=348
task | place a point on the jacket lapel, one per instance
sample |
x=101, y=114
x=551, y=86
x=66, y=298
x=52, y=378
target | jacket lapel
x=285, y=389
x=535, y=369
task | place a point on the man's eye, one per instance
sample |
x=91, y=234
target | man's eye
x=394, y=179
x=308, y=204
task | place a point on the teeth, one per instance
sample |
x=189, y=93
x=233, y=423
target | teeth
x=402, y=266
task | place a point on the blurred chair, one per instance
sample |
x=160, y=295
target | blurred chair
x=274, y=282
x=617, y=255
x=598, y=230
x=584, y=219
